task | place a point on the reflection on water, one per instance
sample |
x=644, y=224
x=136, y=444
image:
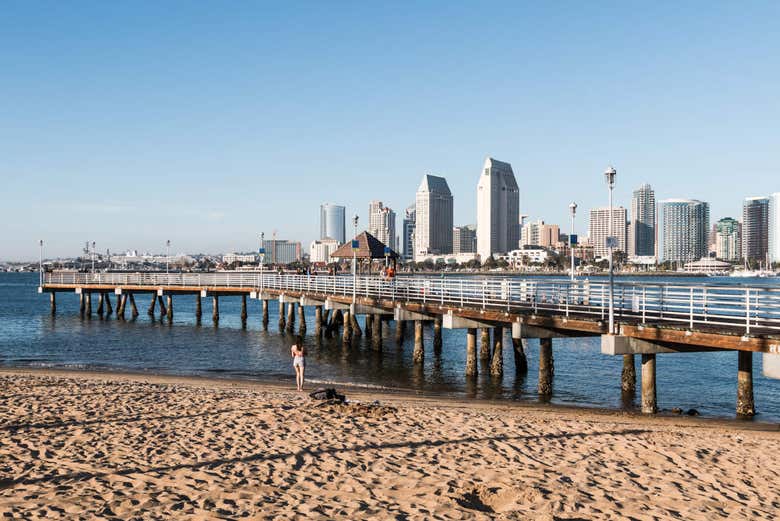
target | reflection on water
x=30, y=336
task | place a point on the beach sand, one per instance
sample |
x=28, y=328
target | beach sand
x=128, y=446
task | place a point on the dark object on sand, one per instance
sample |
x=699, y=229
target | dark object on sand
x=329, y=394
x=692, y=412
x=677, y=410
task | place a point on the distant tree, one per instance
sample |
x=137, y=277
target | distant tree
x=502, y=263
x=473, y=264
x=490, y=263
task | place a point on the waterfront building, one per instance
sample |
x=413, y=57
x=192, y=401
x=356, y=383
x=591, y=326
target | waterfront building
x=774, y=227
x=755, y=228
x=464, y=239
x=333, y=222
x=434, y=215
x=526, y=255
x=686, y=223
x=642, y=228
x=598, y=230
x=540, y=234
x=408, y=233
x=728, y=243
x=320, y=250
x=281, y=251
x=244, y=258
x=381, y=223
x=498, y=209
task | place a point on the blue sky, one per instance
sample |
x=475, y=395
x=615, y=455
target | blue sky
x=130, y=123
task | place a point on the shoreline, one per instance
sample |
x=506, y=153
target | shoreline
x=400, y=396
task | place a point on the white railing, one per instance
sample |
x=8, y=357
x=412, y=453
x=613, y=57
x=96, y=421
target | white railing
x=718, y=305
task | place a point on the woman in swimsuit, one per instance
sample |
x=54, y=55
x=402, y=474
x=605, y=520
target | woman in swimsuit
x=298, y=352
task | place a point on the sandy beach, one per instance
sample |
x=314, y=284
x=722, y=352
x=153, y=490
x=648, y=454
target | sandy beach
x=85, y=446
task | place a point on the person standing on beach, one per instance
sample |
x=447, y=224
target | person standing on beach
x=298, y=352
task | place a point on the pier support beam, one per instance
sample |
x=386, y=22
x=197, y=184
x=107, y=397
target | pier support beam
x=471, y=352
x=648, y=384
x=437, y=335
x=265, y=314
x=282, y=321
x=81, y=305
x=346, y=337
x=497, y=362
x=100, y=304
x=521, y=362
x=169, y=314
x=243, y=311
x=628, y=376
x=484, y=344
x=215, y=309
x=376, y=333
x=163, y=309
x=369, y=325
x=290, y=317
x=88, y=304
x=400, y=331
x=418, y=355
x=356, y=331
x=120, y=307
x=53, y=303
x=109, y=309
x=133, y=308
x=546, y=367
x=317, y=321
x=198, y=309
x=745, y=404
x=149, y=311
x=301, y=319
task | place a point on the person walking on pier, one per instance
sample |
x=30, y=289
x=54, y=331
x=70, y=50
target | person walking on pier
x=298, y=352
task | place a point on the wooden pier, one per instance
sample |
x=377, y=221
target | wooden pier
x=650, y=318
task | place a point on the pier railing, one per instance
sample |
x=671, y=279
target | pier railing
x=718, y=305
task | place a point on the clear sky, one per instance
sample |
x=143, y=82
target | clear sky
x=129, y=123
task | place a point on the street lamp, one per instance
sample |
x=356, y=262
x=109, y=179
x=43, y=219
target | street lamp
x=609, y=177
x=261, y=253
x=40, y=263
x=93, y=256
x=573, y=208
x=167, y=254
x=355, y=245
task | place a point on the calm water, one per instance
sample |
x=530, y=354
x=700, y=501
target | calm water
x=29, y=336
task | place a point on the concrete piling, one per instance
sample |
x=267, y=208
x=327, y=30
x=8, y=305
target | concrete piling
x=497, y=362
x=282, y=321
x=471, y=352
x=149, y=311
x=346, y=337
x=215, y=309
x=546, y=367
x=437, y=342
x=301, y=319
x=418, y=355
x=120, y=307
x=53, y=303
x=356, y=330
x=649, y=405
x=198, y=309
x=88, y=304
x=376, y=333
x=163, y=309
x=369, y=325
x=290, y=317
x=484, y=344
x=169, y=314
x=265, y=314
x=400, y=332
x=109, y=309
x=133, y=308
x=243, y=311
x=318, y=321
x=745, y=404
x=100, y=304
x=628, y=376
x=521, y=361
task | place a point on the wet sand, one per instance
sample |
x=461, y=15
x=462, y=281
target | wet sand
x=86, y=445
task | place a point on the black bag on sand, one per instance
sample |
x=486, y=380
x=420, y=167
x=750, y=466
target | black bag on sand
x=327, y=394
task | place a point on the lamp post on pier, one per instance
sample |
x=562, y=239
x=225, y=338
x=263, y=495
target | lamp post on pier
x=167, y=256
x=355, y=246
x=40, y=263
x=573, y=208
x=261, y=253
x=609, y=177
x=93, y=256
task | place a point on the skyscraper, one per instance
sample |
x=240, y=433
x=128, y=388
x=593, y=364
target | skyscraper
x=332, y=222
x=755, y=228
x=408, y=233
x=643, y=222
x=598, y=229
x=381, y=223
x=539, y=234
x=498, y=209
x=434, y=210
x=686, y=228
x=774, y=227
x=728, y=244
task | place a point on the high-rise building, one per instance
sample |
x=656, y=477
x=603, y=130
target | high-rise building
x=319, y=251
x=598, y=229
x=540, y=234
x=728, y=244
x=434, y=211
x=755, y=228
x=381, y=223
x=332, y=222
x=281, y=251
x=464, y=239
x=642, y=230
x=774, y=227
x=498, y=209
x=408, y=233
x=685, y=229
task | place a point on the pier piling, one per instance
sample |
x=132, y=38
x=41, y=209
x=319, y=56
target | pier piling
x=88, y=304
x=497, y=362
x=317, y=321
x=81, y=305
x=282, y=321
x=745, y=404
x=648, y=384
x=198, y=309
x=437, y=335
x=521, y=362
x=400, y=332
x=161, y=303
x=133, y=308
x=346, y=337
x=418, y=355
x=120, y=306
x=290, y=317
x=100, y=304
x=376, y=334
x=484, y=344
x=471, y=352
x=149, y=311
x=628, y=376
x=546, y=367
x=243, y=311
x=169, y=314
x=53, y=303
x=215, y=309
x=265, y=314
x=356, y=330
x=369, y=325
x=109, y=309
x=301, y=319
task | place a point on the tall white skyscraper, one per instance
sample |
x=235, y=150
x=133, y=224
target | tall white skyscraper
x=755, y=228
x=498, y=209
x=433, y=212
x=332, y=222
x=774, y=227
x=642, y=229
x=381, y=223
x=598, y=229
x=686, y=229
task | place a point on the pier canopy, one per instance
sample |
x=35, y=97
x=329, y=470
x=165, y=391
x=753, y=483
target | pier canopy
x=369, y=249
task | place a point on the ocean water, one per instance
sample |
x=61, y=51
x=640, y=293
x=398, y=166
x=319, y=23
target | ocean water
x=31, y=337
